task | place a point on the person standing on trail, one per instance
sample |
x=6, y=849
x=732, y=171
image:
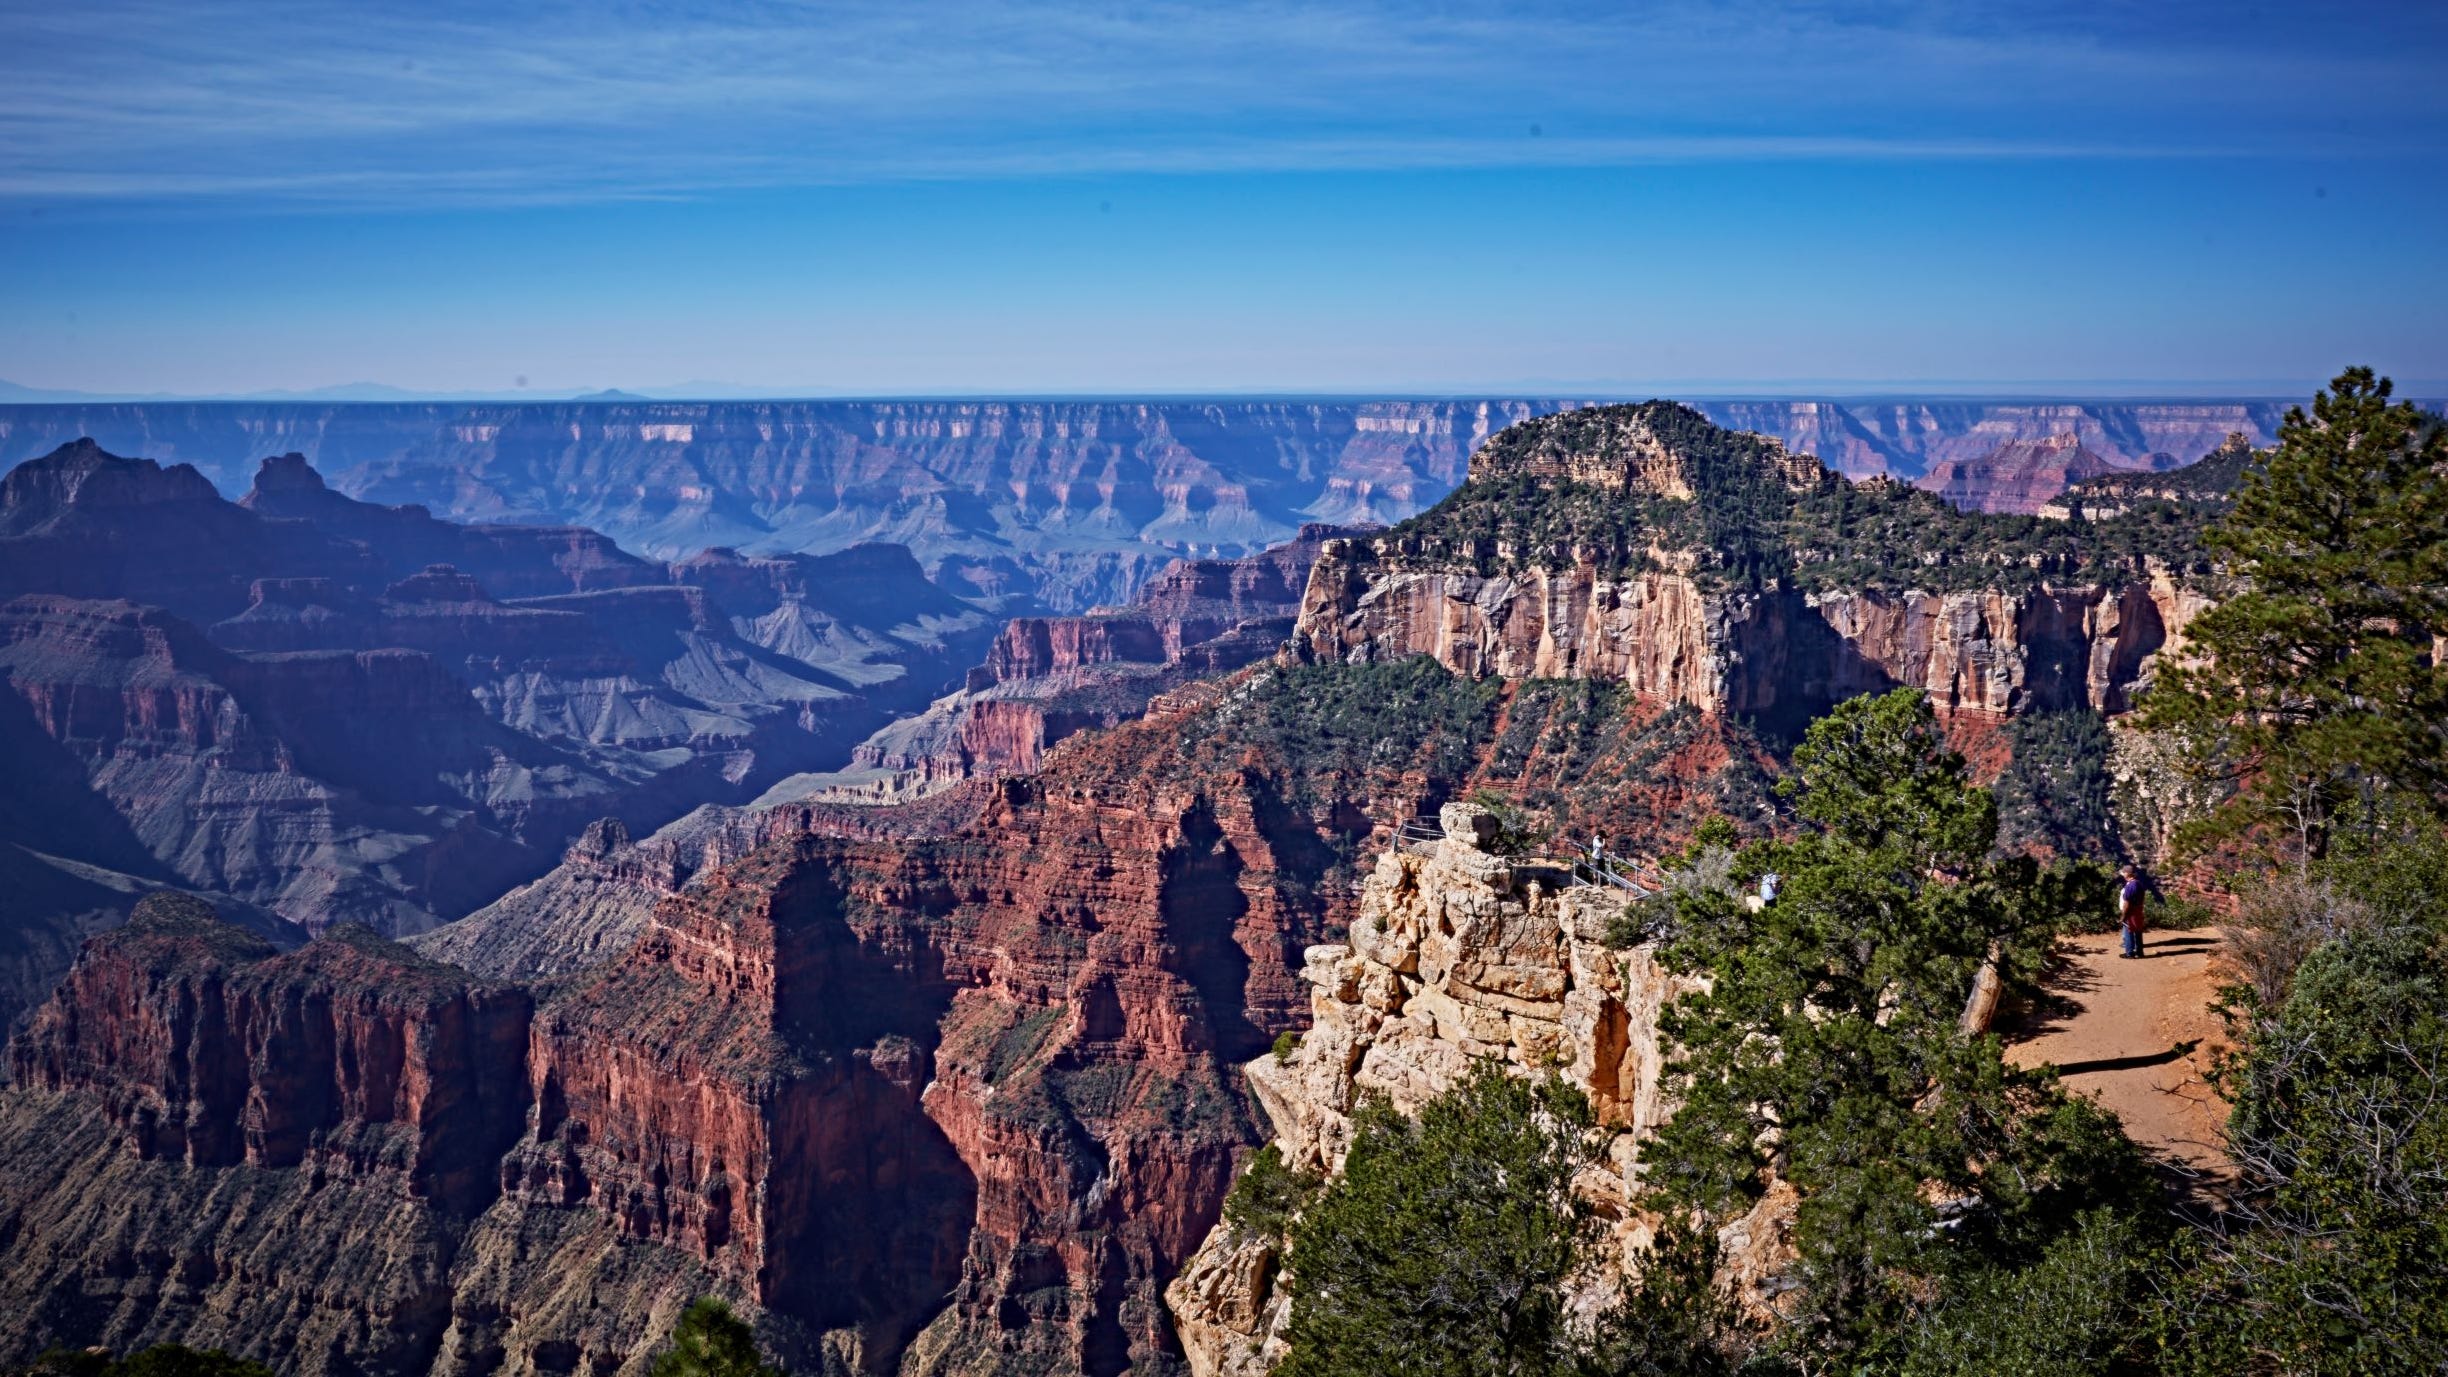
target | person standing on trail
x=2132, y=896
x=1598, y=849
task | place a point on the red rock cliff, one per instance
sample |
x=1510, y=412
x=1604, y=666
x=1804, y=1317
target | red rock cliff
x=209, y=1049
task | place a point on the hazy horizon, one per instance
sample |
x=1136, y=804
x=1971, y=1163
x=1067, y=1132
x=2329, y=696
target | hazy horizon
x=1832, y=390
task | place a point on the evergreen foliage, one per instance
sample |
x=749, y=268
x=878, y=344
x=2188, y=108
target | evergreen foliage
x=1829, y=1047
x=1269, y=1194
x=1355, y=721
x=2334, y=1257
x=2082, y=1307
x=710, y=1341
x=2317, y=682
x=2209, y=481
x=1443, y=1247
x=1671, y=1320
x=161, y=1360
x=2055, y=795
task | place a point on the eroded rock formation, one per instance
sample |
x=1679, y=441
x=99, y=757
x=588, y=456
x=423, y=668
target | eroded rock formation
x=1073, y=503
x=342, y=712
x=2022, y=475
x=1777, y=640
x=949, y=1103
x=1774, y=655
x=1048, y=678
x=1457, y=956
x=1914, y=439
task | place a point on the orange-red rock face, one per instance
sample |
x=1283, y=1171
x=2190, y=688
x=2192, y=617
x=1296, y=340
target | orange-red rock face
x=855, y=1076
x=1190, y=603
x=208, y=1048
x=959, y=1102
x=1042, y=647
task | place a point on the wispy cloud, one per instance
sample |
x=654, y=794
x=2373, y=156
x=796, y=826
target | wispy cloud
x=306, y=104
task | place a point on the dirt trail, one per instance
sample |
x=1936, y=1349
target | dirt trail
x=2118, y=1030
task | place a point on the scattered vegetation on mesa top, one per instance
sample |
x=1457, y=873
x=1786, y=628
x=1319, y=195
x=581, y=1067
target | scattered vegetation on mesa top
x=1352, y=721
x=1752, y=521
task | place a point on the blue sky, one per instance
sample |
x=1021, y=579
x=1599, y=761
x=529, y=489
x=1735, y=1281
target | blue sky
x=200, y=197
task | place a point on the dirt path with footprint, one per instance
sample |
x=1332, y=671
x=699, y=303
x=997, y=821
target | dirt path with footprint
x=2137, y=1037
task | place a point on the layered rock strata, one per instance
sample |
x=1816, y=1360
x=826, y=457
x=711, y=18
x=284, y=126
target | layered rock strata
x=342, y=712
x=950, y=1103
x=1771, y=655
x=2021, y=476
x=1019, y=496
x=1073, y=503
x=207, y=1136
x=1914, y=439
x=1048, y=678
x=1719, y=604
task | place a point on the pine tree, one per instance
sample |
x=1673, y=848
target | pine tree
x=710, y=1341
x=1442, y=1248
x=2318, y=683
x=1830, y=1050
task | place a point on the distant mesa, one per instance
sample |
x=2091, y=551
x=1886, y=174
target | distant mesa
x=1069, y=504
x=2020, y=476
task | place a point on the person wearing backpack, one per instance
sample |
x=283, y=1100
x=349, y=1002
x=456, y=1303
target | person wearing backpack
x=2132, y=910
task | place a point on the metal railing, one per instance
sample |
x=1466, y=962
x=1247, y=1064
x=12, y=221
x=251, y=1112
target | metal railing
x=1588, y=872
x=1420, y=836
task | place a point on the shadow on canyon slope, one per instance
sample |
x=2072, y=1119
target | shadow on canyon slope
x=871, y=1222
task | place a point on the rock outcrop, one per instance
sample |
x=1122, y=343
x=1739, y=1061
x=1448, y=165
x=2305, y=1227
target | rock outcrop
x=1048, y=678
x=594, y=905
x=1457, y=956
x=955, y=1098
x=2209, y=482
x=339, y=711
x=209, y=1048
x=1782, y=655
x=1726, y=598
x=315, y=710
x=206, y=1134
x=2022, y=475
x=326, y=786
